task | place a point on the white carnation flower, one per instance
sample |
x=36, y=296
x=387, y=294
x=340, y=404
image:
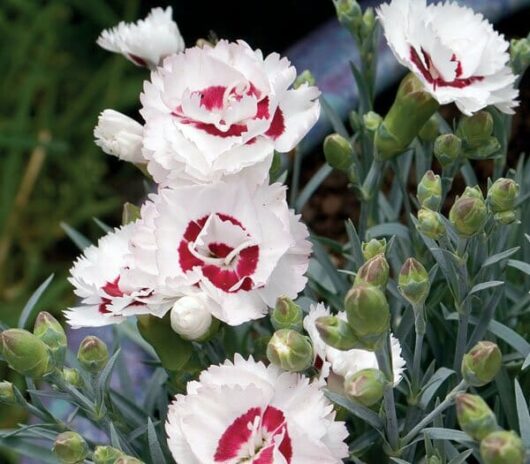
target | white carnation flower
x=96, y=277
x=456, y=53
x=241, y=248
x=119, y=135
x=346, y=363
x=247, y=412
x=213, y=111
x=146, y=42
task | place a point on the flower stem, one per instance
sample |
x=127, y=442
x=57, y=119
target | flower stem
x=448, y=401
x=384, y=360
x=419, y=321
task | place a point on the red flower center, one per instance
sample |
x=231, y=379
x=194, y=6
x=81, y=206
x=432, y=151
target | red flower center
x=113, y=290
x=227, y=266
x=252, y=438
x=218, y=98
x=433, y=76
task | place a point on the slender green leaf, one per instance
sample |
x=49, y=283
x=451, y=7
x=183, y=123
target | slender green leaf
x=522, y=414
x=500, y=256
x=78, y=238
x=461, y=458
x=484, y=286
x=520, y=265
x=437, y=433
x=358, y=410
x=27, y=312
x=334, y=118
x=155, y=449
x=310, y=188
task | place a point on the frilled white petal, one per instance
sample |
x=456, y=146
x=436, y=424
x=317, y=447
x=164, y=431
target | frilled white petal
x=216, y=111
x=146, y=42
x=454, y=51
x=119, y=135
x=345, y=363
x=244, y=409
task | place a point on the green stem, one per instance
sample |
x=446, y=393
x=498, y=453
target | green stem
x=448, y=401
x=384, y=361
x=419, y=322
x=461, y=339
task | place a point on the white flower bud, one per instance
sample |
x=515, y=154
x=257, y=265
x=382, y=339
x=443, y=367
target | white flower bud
x=119, y=135
x=190, y=317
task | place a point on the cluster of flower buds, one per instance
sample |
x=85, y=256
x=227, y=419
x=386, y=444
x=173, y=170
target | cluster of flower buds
x=469, y=213
x=412, y=108
x=360, y=25
x=477, y=137
x=502, y=199
x=429, y=194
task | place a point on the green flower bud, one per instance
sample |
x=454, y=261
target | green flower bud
x=130, y=213
x=505, y=217
x=374, y=272
x=336, y=333
x=93, y=354
x=475, y=130
x=447, y=149
x=368, y=24
x=411, y=109
x=429, y=131
x=287, y=315
x=502, y=447
x=72, y=376
x=469, y=213
x=338, y=152
x=372, y=120
x=25, y=353
x=373, y=248
x=48, y=329
x=106, y=455
x=70, y=448
x=349, y=14
x=429, y=191
x=366, y=386
x=474, y=416
x=434, y=459
x=7, y=393
x=356, y=122
x=430, y=223
x=414, y=282
x=368, y=314
x=502, y=195
x=304, y=78
x=128, y=460
x=290, y=350
x=520, y=54
x=481, y=364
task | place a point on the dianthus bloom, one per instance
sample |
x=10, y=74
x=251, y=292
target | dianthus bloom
x=242, y=248
x=146, y=42
x=96, y=277
x=345, y=363
x=213, y=111
x=247, y=412
x=455, y=52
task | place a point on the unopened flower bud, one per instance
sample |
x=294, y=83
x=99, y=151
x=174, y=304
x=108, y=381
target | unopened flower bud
x=338, y=152
x=373, y=248
x=430, y=131
x=447, y=149
x=429, y=191
x=128, y=460
x=411, y=109
x=48, y=329
x=336, y=333
x=72, y=376
x=430, y=223
x=290, y=350
x=25, y=353
x=474, y=416
x=7, y=393
x=372, y=120
x=368, y=23
x=93, y=354
x=505, y=217
x=502, y=447
x=520, y=54
x=191, y=319
x=287, y=315
x=502, y=195
x=374, y=272
x=481, y=364
x=368, y=314
x=434, y=459
x=349, y=14
x=304, y=78
x=106, y=455
x=120, y=135
x=366, y=386
x=414, y=282
x=70, y=448
x=469, y=213
x=475, y=130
